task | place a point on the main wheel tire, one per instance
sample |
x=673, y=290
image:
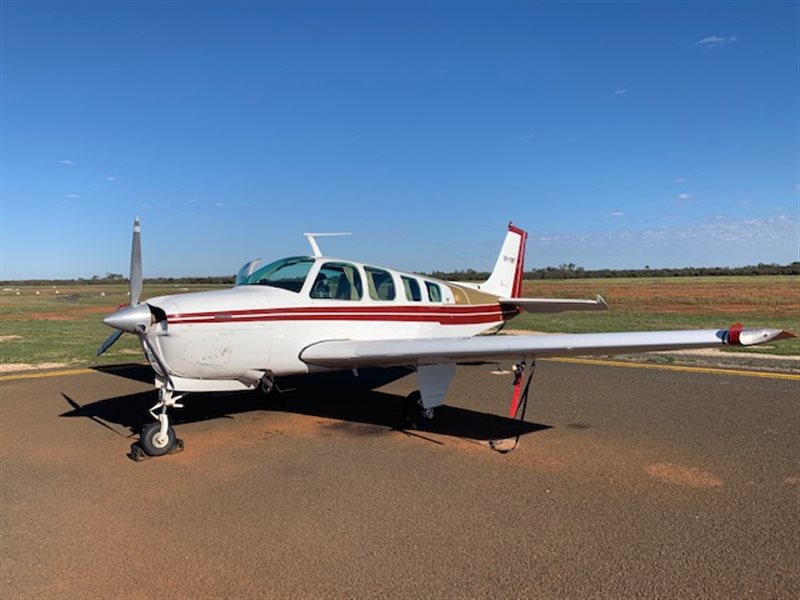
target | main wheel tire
x=266, y=386
x=417, y=417
x=150, y=442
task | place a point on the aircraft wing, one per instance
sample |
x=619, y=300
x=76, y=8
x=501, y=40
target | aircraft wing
x=554, y=305
x=481, y=349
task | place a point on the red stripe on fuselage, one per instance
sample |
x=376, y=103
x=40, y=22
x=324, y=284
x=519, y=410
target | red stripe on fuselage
x=450, y=315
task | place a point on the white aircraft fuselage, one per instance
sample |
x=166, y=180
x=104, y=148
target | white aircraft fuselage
x=230, y=339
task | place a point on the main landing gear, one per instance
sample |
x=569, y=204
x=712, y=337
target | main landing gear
x=417, y=416
x=158, y=439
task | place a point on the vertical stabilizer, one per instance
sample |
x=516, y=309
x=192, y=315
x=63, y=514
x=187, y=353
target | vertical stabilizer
x=506, y=278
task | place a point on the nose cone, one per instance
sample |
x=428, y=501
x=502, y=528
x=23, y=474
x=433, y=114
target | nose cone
x=130, y=318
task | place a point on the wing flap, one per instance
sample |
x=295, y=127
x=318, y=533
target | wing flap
x=555, y=305
x=385, y=353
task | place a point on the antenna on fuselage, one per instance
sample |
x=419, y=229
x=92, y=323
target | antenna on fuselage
x=311, y=237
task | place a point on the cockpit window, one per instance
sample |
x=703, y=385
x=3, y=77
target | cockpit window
x=337, y=281
x=246, y=271
x=286, y=273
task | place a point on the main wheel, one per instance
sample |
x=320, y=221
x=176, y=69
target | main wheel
x=154, y=444
x=417, y=416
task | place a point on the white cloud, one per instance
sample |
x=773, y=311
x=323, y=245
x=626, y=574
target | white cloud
x=219, y=204
x=615, y=213
x=721, y=229
x=67, y=162
x=73, y=196
x=621, y=92
x=684, y=197
x=716, y=40
x=111, y=178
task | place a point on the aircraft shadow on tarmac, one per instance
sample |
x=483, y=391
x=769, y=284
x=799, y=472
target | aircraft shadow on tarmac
x=339, y=396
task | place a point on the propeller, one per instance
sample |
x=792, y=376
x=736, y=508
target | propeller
x=136, y=317
x=109, y=341
x=136, y=263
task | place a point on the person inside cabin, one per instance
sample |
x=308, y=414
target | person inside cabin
x=321, y=288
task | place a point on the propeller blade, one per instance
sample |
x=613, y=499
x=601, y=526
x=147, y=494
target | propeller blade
x=136, y=264
x=109, y=342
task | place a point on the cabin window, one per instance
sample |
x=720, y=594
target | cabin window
x=380, y=284
x=434, y=292
x=337, y=281
x=411, y=287
x=286, y=273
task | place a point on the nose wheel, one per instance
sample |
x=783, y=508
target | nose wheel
x=155, y=443
x=159, y=438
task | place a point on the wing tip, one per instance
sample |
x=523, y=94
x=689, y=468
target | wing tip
x=736, y=335
x=785, y=335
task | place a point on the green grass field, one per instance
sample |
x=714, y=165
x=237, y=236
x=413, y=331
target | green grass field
x=643, y=304
x=65, y=328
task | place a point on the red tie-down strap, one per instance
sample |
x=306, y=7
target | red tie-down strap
x=518, y=371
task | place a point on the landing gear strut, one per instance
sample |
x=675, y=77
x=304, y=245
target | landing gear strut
x=158, y=439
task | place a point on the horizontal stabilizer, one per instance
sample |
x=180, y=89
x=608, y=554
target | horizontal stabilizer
x=554, y=305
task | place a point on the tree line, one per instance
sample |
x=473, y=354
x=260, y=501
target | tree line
x=563, y=271
x=572, y=271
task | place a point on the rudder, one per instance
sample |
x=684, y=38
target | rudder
x=506, y=278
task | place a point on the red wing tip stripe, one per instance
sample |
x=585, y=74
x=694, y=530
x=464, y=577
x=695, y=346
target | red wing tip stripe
x=734, y=333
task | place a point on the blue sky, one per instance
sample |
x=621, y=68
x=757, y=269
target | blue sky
x=618, y=134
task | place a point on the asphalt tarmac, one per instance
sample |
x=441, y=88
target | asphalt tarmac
x=627, y=483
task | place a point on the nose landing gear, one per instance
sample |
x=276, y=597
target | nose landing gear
x=158, y=439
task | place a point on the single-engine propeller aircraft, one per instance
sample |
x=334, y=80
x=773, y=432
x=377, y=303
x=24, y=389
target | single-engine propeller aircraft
x=306, y=314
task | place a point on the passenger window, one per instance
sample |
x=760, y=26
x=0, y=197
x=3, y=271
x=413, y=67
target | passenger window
x=411, y=286
x=434, y=293
x=337, y=281
x=380, y=284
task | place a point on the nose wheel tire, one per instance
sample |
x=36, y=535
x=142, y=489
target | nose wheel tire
x=155, y=444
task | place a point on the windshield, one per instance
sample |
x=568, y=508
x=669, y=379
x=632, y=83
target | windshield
x=286, y=273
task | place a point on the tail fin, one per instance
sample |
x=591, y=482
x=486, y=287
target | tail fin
x=506, y=278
